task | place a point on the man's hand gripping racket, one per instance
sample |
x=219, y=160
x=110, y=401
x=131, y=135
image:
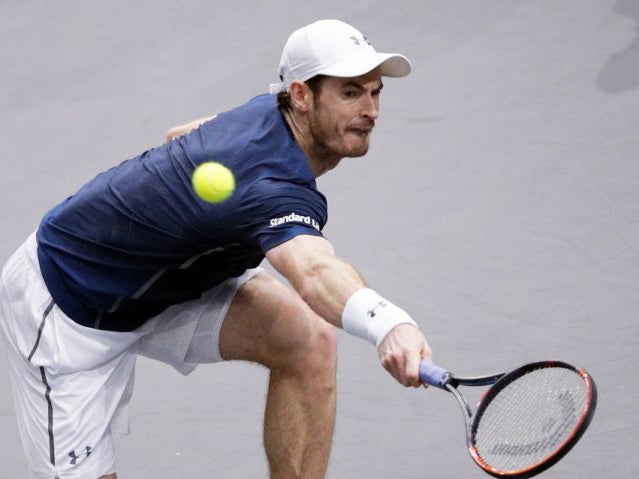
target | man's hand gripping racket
x=528, y=420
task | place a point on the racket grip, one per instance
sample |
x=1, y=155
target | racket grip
x=434, y=375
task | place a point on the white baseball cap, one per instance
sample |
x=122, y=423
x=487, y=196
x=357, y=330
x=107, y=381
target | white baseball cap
x=333, y=48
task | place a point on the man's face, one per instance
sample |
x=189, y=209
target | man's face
x=343, y=114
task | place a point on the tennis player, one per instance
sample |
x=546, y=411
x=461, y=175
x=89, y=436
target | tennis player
x=135, y=263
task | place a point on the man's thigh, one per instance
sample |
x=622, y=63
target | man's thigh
x=269, y=323
x=187, y=334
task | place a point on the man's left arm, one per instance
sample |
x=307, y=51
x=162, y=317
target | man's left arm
x=179, y=130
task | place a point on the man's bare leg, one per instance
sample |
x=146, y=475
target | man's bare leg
x=268, y=323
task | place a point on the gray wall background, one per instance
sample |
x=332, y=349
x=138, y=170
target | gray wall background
x=499, y=205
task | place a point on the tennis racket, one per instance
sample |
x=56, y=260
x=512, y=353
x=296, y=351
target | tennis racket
x=527, y=420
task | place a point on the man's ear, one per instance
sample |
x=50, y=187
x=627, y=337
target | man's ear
x=301, y=96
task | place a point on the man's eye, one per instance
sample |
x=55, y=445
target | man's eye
x=351, y=93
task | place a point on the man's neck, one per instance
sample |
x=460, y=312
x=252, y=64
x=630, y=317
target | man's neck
x=320, y=159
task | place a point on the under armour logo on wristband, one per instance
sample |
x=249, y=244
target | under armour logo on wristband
x=372, y=312
x=77, y=455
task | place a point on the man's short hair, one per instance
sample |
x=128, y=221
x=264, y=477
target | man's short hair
x=315, y=84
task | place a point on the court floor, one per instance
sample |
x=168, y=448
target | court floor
x=499, y=205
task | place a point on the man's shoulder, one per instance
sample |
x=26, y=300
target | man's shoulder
x=263, y=102
x=263, y=99
x=258, y=115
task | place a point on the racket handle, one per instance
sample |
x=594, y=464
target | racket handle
x=434, y=375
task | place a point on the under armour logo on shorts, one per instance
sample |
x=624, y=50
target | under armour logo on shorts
x=79, y=454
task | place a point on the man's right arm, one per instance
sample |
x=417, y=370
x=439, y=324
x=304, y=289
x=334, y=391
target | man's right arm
x=334, y=289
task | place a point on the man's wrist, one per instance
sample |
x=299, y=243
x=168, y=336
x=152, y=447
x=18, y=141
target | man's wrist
x=371, y=317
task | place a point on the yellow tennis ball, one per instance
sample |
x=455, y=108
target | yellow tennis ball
x=213, y=182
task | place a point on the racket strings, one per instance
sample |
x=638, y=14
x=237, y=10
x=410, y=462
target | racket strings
x=530, y=418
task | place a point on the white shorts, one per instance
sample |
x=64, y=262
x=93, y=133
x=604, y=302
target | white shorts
x=71, y=384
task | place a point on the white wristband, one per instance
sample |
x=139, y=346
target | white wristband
x=371, y=317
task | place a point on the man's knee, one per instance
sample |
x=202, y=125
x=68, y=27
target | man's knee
x=321, y=351
x=301, y=340
x=313, y=361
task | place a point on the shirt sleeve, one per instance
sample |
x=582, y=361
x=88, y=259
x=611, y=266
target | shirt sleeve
x=274, y=212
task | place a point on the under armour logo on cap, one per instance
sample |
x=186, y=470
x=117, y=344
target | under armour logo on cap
x=360, y=40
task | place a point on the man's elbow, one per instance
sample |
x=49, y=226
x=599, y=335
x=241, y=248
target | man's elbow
x=309, y=283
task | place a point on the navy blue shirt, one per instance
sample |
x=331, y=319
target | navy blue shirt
x=136, y=239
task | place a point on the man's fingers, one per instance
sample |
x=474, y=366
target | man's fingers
x=404, y=367
x=412, y=370
x=401, y=353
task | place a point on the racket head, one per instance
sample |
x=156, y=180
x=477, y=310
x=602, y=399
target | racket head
x=530, y=418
